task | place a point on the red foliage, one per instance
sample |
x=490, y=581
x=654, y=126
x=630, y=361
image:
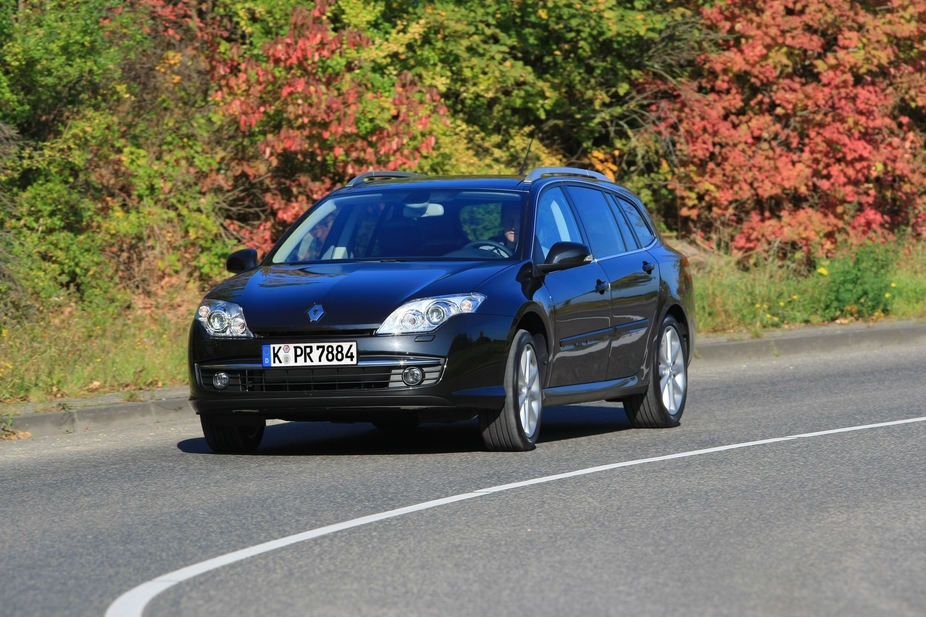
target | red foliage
x=799, y=126
x=869, y=226
x=807, y=231
x=310, y=112
x=309, y=99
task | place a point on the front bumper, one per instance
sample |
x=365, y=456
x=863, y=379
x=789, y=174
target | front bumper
x=463, y=370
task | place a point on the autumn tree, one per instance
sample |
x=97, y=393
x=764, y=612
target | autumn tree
x=803, y=123
x=312, y=103
x=317, y=112
x=157, y=135
x=508, y=70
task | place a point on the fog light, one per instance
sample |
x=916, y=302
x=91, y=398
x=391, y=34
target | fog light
x=220, y=381
x=412, y=376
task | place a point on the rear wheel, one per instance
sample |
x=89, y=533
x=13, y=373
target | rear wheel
x=225, y=437
x=664, y=401
x=516, y=426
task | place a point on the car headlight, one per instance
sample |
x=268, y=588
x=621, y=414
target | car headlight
x=427, y=314
x=223, y=319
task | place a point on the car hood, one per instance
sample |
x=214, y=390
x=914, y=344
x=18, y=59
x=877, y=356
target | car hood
x=355, y=296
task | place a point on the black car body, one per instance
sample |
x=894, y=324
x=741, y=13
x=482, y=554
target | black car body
x=576, y=308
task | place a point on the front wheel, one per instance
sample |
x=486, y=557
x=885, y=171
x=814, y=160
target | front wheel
x=225, y=437
x=516, y=426
x=664, y=401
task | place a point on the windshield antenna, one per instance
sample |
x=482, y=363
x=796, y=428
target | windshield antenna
x=526, y=154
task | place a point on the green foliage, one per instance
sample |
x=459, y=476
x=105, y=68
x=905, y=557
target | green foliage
x=729, y=299
x=255, y=22
x=52, y=220
x=908, y=282
x=870, y=281
x=565, y=70
x=109, y=192
x=859, y=282
x=7, y=21
x=62, y=56
x=463, y=149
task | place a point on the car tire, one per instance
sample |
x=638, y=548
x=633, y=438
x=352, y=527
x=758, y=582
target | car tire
x=664, y=401
x=227, y=438
x=516, y=426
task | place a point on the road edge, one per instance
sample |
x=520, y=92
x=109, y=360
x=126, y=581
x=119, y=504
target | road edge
x=89, y=419
x=812, y=340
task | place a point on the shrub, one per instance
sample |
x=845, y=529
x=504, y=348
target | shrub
x=805, y=107
x=858, y=282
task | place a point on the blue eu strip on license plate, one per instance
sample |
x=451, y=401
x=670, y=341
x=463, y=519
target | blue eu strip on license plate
x=338, y=353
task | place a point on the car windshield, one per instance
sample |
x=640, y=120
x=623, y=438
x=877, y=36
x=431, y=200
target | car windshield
x=408, y=224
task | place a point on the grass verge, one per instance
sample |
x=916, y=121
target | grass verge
x=868, y=282
x=68, y=351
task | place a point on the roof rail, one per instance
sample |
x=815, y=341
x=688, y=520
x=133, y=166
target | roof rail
x=540, y=172
x=372, y=176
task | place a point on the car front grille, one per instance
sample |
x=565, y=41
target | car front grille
x=367, y=375
x=289, y=334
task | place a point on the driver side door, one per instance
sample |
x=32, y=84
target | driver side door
x=580, y=299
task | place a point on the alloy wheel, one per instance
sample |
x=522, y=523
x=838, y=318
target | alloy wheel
x=673, y=378
x=529, y=396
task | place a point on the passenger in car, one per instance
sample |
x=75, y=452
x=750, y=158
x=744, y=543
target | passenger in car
x=310, y=249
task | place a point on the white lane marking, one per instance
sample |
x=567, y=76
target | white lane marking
x=133, y=602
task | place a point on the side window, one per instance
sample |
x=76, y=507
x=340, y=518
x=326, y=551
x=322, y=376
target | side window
x=638, y=222
x=603, y=234
x=555, y=221
x=626, y=233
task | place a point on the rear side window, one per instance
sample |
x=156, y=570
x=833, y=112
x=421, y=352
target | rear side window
x=636, y=219
x=604, y=236
x=630, y=240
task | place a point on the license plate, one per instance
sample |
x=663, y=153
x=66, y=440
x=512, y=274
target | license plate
x=310, y=354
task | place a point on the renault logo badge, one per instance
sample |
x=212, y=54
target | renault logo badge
x=315, y=313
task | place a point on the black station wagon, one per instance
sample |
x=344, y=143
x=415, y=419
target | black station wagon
x=402, y=298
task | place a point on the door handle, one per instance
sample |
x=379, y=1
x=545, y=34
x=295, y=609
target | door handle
x=648, y=267
x=601, y=286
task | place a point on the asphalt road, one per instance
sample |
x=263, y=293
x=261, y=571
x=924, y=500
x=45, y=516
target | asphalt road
x=825, y=524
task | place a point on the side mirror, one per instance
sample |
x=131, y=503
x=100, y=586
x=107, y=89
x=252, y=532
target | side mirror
x=241, y=261
x=564, y=255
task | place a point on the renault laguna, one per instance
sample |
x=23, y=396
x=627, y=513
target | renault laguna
x=403, y=298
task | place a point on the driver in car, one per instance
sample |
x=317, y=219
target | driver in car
x=511, y=225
